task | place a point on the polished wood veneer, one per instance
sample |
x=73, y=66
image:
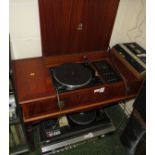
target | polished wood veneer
x=76, y=26
x=37, y=95
x=32, y=80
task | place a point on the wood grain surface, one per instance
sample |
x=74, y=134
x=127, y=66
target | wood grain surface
x=60, y=21
x=32, y=80
x=37, y=95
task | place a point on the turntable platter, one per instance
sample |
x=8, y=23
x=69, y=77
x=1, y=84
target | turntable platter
x=83, y=118
x=72, y=75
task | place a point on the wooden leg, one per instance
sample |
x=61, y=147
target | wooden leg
x=30, y=137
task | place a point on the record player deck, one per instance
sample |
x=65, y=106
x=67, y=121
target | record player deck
x=81, y=127
x=71, y=76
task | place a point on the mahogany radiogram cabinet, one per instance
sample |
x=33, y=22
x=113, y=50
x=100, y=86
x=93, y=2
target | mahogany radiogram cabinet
x=72, y=31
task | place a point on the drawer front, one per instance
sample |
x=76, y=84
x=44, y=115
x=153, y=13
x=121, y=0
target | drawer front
x=39, y=108
x=92, y=96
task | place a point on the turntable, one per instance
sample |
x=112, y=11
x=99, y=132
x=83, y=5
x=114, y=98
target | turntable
x=83, y=118
x=81, y=127
x=71, y=76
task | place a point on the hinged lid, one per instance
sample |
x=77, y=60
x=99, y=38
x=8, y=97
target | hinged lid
x=76, y=26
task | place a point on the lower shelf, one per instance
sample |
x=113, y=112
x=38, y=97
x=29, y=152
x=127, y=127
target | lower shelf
x=72, y=142
x=19, y=150
x=75, y=134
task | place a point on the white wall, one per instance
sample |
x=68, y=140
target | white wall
x=130, y=23
x=130, y=26
x=25, y=29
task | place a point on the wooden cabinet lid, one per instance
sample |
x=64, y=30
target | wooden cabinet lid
x=76, y=26
x=32, y=80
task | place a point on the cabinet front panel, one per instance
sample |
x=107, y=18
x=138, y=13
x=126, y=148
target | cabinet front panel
x=39, y=108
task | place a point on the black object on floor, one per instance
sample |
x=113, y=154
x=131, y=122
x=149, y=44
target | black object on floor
x=134, y=135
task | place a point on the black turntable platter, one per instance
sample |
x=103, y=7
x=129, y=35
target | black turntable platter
x=83, y=118
x=72, y=75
